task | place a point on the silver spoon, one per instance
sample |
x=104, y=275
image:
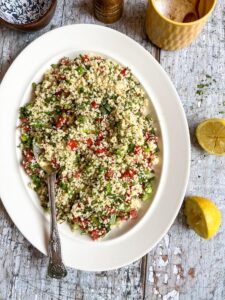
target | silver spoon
x=56, y=268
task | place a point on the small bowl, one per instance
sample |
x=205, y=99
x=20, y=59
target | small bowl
x=172, y=35
x=26, y=15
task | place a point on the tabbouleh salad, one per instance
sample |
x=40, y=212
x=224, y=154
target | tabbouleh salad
x=88, y=116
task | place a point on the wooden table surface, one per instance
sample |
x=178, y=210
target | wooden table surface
x=182, y=265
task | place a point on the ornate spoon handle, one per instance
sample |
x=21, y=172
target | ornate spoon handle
x=56, y=268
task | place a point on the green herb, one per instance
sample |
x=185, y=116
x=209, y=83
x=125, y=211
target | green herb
x=95, y=220
x=146, y=150
x=80, y=70
x=36, y=181
x=102, y=169
x=108, y=188
x=81, y=90
x=131, y=148
x=37, y=125
x=24, y=138
x=58, y=110
x=147, y=194
x=221, y=112
x=153, y=131
x=119, y=153
x=24, y=112
x=112, y=220
x=34, y=85
x=81, y=119
x=208, y=76
x=50, y=99
x=199, y=92
x=105, y=109
x=64, y=186
x=201, y=86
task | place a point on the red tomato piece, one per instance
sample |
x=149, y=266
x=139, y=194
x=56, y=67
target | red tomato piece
x=94, y=234
x=66, y=94
x=72, y=144
x=65, y=61
x=101, y=150
x=89, y=142
x=85, y=58
x=26, y=128
x=77, y=175
x=128, y=173
x=56, y=165
x=61, y=77
x=124, y=71
x=61, y=122
x=147, y=136
x=133, y=213
x=137, y=149
x=109, y=174
x=93, y=104
x=24, y=120
x=58, y=93
x=28, y=155
x=99, y=120
x=99, y=139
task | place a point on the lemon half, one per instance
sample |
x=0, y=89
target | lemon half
x=211, y=136
x=203, y=216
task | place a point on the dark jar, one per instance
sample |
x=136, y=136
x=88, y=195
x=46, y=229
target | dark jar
x=108, y=11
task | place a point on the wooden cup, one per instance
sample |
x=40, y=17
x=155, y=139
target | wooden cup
x=35, y=25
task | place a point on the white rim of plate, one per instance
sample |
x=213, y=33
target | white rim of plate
x=82, y=254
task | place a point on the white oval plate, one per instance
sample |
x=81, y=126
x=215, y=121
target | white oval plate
x=22, y=205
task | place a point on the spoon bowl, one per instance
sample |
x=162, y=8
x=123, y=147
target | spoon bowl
x=26, y=15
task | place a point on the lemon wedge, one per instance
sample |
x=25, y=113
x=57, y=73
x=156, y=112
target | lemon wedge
x=211, y=136
x=203, y=216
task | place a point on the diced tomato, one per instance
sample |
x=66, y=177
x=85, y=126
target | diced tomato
x=85, y=58
x=99, y=120
x=123, y=216
x=94, y=234
x=26, y=167
x=137, y=149
x=55, y=164
x=59, y=93
x=101, y=150
x=60, y=122
x=93, y=104
x=128, y=173
x=28, y=155
x=66, y=94
x=77, y=175
x=61, y=77
x=109, y=174
x=150, y=158
x=24, y=120
x=84, y=224
x=26, y=128
x=73, y=144
x=133, y=213
x=65, y=61
x=89, y=142
x=99, y=139
x=124, y=71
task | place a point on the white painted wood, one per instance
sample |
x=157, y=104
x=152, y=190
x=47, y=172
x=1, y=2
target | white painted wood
x=182, y=266
x=185, y=266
